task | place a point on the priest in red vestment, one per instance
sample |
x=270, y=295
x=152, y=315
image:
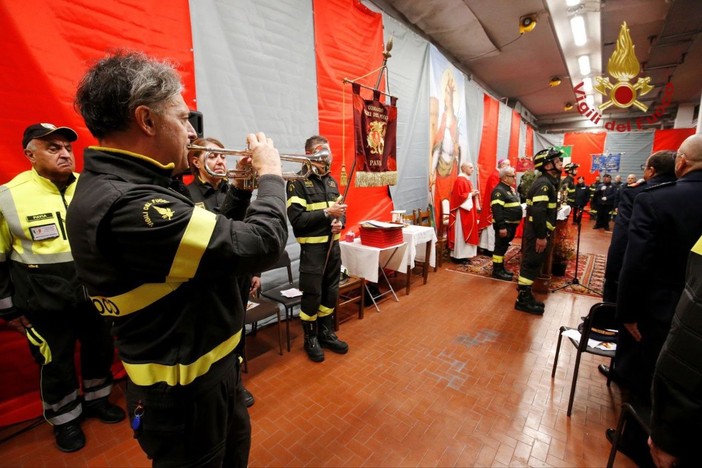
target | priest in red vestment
x=487, y=236
x=463, y=235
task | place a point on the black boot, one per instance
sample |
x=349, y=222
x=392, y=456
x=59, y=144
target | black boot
x=538, y=303
x=69, y=436
x=526, y=302
x=103, y=410
x=499, y=272
x=314, y=351
x=327, y=337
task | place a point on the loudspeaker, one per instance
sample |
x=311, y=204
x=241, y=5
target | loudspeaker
x=196, y=121
x=527, y=23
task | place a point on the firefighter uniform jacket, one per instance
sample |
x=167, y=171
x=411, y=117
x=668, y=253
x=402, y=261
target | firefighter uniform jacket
x=542, y=205
x=568, y=186
x=505, y=205
x=164, y=271
x=37, y=273
x=307, y=200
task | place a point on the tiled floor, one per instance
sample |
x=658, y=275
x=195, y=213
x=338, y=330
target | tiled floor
x=451, y=375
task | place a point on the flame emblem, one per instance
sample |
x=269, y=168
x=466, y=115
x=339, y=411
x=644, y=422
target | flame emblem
x=623, y=66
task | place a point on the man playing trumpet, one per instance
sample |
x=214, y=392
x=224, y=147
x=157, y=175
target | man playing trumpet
x=316, y=214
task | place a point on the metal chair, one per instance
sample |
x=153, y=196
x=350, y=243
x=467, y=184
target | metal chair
x=630, y=413
x=600, y=313
x=275, y=294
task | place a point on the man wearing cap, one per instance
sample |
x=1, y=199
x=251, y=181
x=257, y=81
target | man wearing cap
x=540, y=222
x=40, y=296
x=605, y=197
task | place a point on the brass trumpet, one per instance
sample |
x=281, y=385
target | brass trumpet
x=315, y=163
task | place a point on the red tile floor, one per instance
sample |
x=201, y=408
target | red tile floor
x=450, y=375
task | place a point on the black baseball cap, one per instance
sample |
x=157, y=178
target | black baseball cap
x=41, y=130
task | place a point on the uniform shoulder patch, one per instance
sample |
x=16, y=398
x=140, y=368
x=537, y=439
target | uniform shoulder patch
x=154, y=209
x=544, y=188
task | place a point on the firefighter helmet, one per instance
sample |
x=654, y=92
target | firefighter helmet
x=570, y=167
x=544, y=156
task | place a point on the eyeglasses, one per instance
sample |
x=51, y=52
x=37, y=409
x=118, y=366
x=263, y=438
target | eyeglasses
x=643, y=166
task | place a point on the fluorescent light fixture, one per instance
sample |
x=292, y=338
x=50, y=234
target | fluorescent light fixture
x=584, y=63
x=590, y=101
x=577, y=25
x=572, y=2
x=587, y=84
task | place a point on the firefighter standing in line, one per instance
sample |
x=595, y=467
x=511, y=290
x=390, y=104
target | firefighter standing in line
x=567, y=187
x=316, y=214
x=40, y=295
x=542, y=205
x=506, y=216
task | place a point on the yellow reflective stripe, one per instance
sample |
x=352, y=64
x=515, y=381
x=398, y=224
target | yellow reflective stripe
x=539, y=198
x=512, y=204
x=498, y=258
x=697, y=248
x=324, y=311
x=551, y=205
x=525, y=281
x=307, y=318
x=317, y=239
x=571, y=190
x=298, y=200
x=180, y=374
x=497, y=202
x=313, y=240
x=317, y=206
x=193, y=244
x=135, y=300
x=37, y=340
x=550, y=226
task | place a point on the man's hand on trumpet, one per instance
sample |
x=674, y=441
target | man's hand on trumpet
x=264, y=157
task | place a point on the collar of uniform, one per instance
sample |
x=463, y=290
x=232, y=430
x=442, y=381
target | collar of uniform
x=126, y=165
x=47, y=184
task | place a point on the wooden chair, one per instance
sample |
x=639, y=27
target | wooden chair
x=599, y=313
x=347, y=290
x=275, y=294
x=442, y=234
x=262, y=310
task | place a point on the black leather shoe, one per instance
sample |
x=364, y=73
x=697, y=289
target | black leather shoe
x=604, y=370
x=69, y=437
x=104, y=411
x=248, y=397
x=503, y=275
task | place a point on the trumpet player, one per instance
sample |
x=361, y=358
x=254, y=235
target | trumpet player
x=316, y=213
x=164, y=272
x=211, y=190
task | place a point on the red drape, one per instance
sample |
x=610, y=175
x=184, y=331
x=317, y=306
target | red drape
x=348, y=44
x=47, y=46
x=487, y=156
x=670, y=139
x=585, y=144
x=513, y=151
x=529, y=144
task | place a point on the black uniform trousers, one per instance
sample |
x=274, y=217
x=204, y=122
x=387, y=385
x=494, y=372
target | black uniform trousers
x=502, y=243
x=52, y=338
x=208, y=428
x=603, y=216
x=319, y=283
x=531, y=260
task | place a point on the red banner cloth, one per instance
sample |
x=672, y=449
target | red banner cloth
x=585, y=144
x=670, y=139
x=375, y=134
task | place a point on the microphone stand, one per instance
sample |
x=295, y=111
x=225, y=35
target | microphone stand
x=575, y=281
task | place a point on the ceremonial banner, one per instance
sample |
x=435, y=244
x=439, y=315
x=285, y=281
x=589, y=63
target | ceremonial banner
x=605, y=162
x=375, y=133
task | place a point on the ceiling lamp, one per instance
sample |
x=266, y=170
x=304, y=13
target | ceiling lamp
x=572, y=2
x=568, y=106
x=584, y=63
x=555, y=81
x=587, y=84
x=577, y=25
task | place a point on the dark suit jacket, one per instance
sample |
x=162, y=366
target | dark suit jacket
x=666, y=221
x=620, y=235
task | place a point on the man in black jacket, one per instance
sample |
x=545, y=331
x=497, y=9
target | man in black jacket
x=163, y=270
x=506, y=216
x=676, y=418
x=604, y=198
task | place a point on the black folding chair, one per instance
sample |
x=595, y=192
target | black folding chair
x=275, y=294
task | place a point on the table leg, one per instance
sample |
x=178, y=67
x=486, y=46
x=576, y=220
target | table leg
x=427, y=255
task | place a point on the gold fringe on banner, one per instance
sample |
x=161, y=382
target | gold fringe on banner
x=376, y=179
x=343, y=179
